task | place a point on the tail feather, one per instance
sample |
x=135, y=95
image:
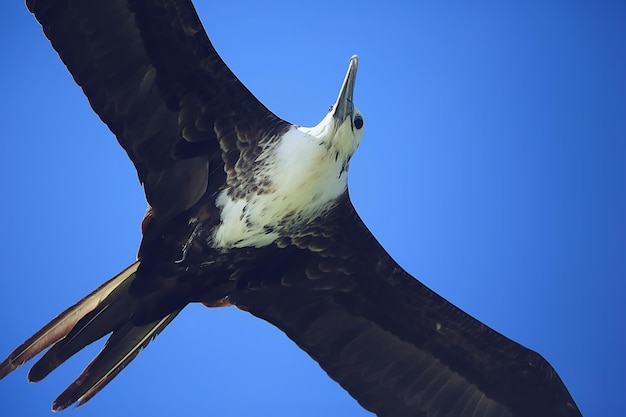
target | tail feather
x=61, y=326
x=109, y=309
x=121, y=348
x=111, y=313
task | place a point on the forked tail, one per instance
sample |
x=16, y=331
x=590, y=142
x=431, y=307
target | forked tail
x=106, y=310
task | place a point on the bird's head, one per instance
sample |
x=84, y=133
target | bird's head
x=342, y=128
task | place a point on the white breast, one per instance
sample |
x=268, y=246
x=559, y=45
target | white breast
x=306, y=177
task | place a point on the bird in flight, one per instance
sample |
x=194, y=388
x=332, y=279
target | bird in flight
x=249, y=210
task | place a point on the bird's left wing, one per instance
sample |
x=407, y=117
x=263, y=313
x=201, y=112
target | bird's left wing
x=396, y=346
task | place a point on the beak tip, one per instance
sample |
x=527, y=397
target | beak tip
x=354, y=60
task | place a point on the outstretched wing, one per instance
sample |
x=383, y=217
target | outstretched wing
x=152, y=75
x=396, y=346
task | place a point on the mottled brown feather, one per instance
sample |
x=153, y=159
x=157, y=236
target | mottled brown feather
x=152, y=75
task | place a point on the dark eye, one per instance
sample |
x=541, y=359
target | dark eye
x=358, y=122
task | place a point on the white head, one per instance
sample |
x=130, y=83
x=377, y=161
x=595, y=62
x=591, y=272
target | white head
x=307, y=171
x=342, y=128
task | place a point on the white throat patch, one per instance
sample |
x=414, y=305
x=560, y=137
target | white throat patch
x=306, y=174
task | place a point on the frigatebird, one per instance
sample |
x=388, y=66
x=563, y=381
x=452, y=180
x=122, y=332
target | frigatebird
x=252, y=211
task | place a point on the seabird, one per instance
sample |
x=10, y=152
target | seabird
x=249, y=210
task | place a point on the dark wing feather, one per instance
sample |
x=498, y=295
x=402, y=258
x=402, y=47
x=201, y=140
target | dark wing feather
x=152, y=75
x=396, y=346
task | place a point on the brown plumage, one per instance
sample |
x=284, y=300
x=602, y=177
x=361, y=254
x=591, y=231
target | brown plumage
x=192, y=130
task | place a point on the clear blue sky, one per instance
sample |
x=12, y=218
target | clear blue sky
x=492, y=168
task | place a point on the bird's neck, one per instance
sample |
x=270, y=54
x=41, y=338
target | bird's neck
x=293, y=183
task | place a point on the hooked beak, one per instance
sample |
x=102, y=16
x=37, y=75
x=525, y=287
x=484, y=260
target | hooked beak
x=344, y=108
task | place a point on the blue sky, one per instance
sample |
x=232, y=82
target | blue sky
x=492, y=169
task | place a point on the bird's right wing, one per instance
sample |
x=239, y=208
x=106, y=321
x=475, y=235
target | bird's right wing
x=151, y=73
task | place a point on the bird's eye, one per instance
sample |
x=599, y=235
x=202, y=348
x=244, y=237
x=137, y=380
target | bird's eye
x=331, y=108
x=358, y=122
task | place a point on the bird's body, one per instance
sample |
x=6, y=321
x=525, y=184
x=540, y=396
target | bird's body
x=249, y=210
x=295, y=181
